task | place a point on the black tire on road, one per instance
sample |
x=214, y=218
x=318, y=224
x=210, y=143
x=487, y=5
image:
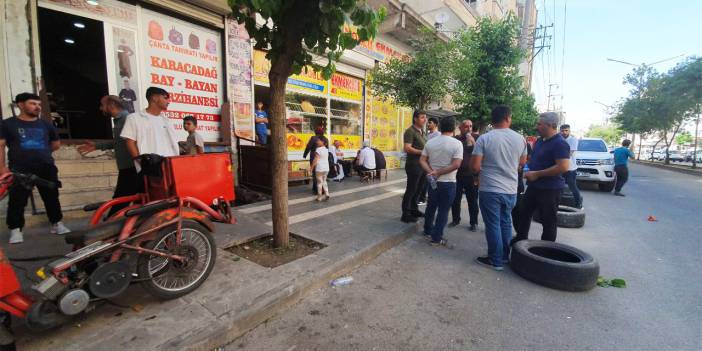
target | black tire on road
x=570, y=217
x=554, y=265
x=566, y=217
x=567, y=199
x=606, y=187
x=197, y=234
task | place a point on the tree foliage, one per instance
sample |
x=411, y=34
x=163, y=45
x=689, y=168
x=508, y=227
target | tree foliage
x=611, y=134
x=487, y=69
x=419, y=79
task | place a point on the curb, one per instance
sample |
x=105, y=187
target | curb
x=269, y=303
x=668, y=167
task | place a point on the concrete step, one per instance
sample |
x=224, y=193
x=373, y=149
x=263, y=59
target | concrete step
x=76, y=182
x=85, y=167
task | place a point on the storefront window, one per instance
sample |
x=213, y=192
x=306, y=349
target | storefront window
x=304, y=114
x=346, y=110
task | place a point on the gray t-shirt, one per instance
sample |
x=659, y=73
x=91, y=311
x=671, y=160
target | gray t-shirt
x=440, y=152
x=501, y=150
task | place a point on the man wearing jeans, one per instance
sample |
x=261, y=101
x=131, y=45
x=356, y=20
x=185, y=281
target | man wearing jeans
x=545, y=182
x=464, y=180
x=440, y=159
x=497, y=157
x=570, y=176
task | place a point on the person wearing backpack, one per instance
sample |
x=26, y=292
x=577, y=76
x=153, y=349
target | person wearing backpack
x=320, y=165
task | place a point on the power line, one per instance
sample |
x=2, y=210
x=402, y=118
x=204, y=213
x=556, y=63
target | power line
x=563, y=48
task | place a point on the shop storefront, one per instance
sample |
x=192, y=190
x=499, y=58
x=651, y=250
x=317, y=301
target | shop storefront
x=90, y=49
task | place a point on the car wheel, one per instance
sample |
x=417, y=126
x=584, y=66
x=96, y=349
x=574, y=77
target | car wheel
x=606, y=187
x=554, y=265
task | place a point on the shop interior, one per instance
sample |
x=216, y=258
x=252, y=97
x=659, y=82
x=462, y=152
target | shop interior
x=75, y=73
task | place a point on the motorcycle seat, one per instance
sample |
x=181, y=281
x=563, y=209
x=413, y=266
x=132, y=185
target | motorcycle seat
x=99, y=232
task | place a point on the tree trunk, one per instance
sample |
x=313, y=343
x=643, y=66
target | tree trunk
x=638, y=155
x=279, y=155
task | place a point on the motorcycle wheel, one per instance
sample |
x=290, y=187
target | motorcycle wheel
x=170, y=279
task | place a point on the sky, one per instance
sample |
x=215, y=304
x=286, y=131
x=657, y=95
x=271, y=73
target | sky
x=641, y=31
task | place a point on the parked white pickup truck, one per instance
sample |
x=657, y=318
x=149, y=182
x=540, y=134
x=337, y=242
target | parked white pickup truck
x=595, y=163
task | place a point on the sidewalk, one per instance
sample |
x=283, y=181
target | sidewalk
x=358, y=223
x=672, y=167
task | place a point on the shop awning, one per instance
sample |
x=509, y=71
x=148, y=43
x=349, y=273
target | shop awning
x=441, y=113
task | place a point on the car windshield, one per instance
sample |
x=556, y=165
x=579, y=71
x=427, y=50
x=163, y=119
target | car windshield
x=592, y=145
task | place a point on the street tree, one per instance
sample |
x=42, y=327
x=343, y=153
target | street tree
x=486, y=69
x=611, y=134
x=424, y=76
x=683, y=138
x=292, y=31
x=686, y=86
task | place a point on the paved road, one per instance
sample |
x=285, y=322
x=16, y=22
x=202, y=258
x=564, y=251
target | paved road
x=417, y=297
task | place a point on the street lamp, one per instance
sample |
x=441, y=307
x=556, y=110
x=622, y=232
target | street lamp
x=608, y=110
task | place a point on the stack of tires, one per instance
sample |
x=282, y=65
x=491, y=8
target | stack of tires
x=567, y=217
x=567, y=198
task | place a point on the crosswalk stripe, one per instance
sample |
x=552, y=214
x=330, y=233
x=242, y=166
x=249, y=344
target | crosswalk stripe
x=260, y=208
x=316, y=213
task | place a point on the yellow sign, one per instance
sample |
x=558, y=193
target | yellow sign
x=308, y=80
x=298, y=141
x=348, y=142
x=346, y=87
x=384, y=125
x=392, y=162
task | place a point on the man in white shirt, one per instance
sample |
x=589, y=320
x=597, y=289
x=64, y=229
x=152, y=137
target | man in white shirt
x=365, y=161
x=570, y=176
x=433, y=128
x=440, y=159
x=148, y=131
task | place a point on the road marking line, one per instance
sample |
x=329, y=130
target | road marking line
x=316, y=213
x=260, y=208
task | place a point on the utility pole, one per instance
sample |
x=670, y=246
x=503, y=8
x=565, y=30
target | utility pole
x=540, y=34
x=548, y=104
x=694, y=150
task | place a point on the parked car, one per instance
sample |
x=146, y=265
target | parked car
x=595, y=163
x=675, y=156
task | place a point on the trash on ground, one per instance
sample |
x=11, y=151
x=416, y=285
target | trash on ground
x=137, y=308
x=341, y=281
x=652, y=218
x=616, y=282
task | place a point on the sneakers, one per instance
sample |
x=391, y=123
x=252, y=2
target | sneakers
x=473, y=228
x=453, y=224
x=421, y=203
x=59, y=228
x=16, y=236
x=485, y=261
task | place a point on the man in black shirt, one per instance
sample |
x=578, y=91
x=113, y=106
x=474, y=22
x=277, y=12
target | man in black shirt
x=465, y=183
x=414, y=140
x=30, y=141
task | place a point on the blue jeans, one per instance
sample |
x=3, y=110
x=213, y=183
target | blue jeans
x=440, y=199
x=570, y=179
x=262, y=133
x=497, y=216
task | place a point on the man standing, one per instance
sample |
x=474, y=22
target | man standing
x=440, y=158
x=30, y=141
x=548, y=162
x=433, y=128
x=464, y=180
x=149, y=131
x=261, y=119
x=128, y=183
x=497, y=157
x=621, y=162
x=414, y=140
x=570, y=175
x=365, y=161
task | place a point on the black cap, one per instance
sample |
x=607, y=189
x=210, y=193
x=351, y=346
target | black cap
x=151, y=91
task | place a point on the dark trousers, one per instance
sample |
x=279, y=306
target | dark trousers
x=571, y=180
x=346, y=165
x=359, y=169
x=465, y=185
x=546, y=202
x=423, y=193
x=415, y=183
x=50, y=197
x=128, y=183
x=622, y=176
x=440, y=200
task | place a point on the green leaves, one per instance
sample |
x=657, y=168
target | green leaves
x=616, y=282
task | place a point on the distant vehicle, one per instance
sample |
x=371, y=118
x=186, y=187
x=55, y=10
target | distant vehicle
x=595, y=163
x=675, y=156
